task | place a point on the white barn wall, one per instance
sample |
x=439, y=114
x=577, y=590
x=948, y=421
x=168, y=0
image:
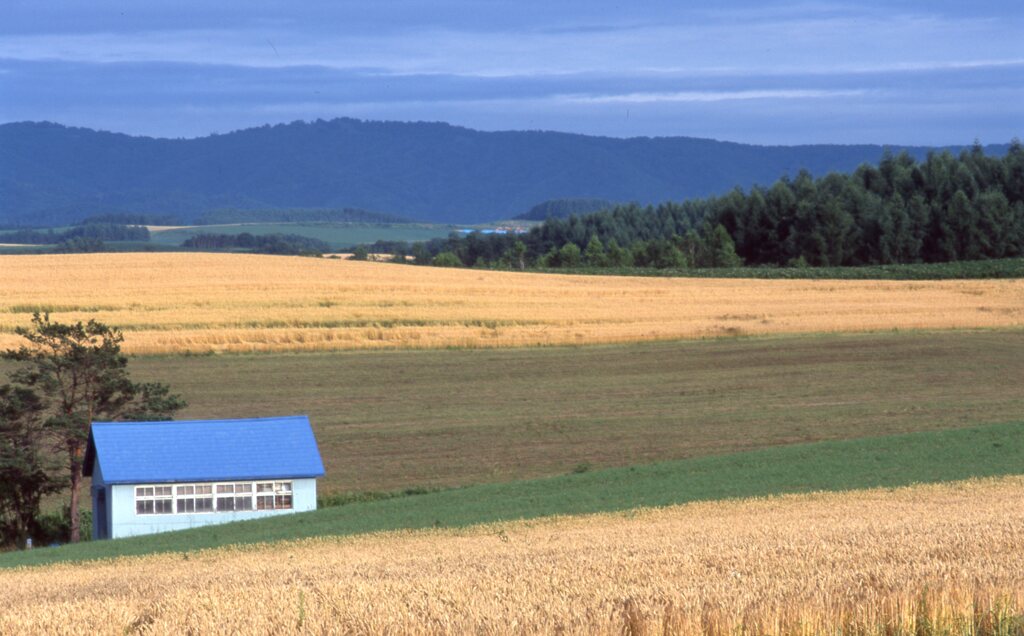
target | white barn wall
x=126, y=523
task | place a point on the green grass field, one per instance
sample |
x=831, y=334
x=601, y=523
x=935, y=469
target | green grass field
x=399, y=419
x=338, y=235
x=898, y=460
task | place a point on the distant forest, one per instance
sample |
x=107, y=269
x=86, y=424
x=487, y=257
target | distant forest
x=91, y=231
x=946, y=208
x=263, y=244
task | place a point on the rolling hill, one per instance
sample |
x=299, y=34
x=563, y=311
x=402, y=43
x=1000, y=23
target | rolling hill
x=52, y=174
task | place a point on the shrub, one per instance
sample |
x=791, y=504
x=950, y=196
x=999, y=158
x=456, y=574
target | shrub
x=446, y=259
x=55, y=527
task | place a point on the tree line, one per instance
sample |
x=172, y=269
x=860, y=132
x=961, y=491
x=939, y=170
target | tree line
x=945, y=208
x=264, y=244
x=93, y=231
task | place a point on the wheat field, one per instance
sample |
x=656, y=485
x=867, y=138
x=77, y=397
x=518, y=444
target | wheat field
x=945, y=557
x=234, y=302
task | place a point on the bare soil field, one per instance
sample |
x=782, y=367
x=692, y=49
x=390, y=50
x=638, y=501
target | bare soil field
x=388, y=420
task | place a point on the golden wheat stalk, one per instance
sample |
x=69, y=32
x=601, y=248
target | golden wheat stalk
x=925, y=559
x=233, y=302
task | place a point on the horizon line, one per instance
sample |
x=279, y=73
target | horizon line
x=309, y=122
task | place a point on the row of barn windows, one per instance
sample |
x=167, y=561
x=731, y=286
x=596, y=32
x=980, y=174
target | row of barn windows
x=193, y=498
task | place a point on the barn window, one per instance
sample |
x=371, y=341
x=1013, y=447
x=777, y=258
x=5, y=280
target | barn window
x=275, y=495
x=219, y=497
x=154, y=500
x=243, y=496
x=225, y=504
x=234, y=497
x=194, y=498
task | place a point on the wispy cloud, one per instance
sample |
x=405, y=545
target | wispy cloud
x=794, y=40
x=873, y=68
x=707, y=96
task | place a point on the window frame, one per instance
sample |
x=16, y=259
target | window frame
x=155, y=497
x=280, y=495
x=238, y=496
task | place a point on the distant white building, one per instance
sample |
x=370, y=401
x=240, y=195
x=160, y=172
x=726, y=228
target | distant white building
x=157, y=476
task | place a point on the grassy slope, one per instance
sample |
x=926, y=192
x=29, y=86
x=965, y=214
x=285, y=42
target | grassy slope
x=338, y=235
x=392, y=420
x=836, y=465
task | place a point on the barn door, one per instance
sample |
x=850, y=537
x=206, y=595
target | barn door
x=99, y=513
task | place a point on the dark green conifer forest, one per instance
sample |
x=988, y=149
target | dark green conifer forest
x=946, y=208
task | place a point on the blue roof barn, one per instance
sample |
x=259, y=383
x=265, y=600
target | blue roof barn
x=157, y=476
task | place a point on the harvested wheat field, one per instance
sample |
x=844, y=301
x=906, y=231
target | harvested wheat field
x=940, y=557
x=234, y=302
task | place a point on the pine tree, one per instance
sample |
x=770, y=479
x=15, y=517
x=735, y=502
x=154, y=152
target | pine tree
x=570, y=256
x=721, y=250
x=964, y=219
x=27, y=473
x=693, y=248
x=758, y=231
x=616, y=256
x=594, y=254
x=941, y=244
x=902, y=243
x=82, y=373
x=517, y=254
x=995, y=223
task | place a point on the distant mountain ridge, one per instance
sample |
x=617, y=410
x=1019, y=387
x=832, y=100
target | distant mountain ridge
x=52, y=174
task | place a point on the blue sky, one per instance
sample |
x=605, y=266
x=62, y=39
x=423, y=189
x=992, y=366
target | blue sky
x=929, y=73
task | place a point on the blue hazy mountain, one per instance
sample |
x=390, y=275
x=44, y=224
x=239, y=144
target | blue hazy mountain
x=52, y=174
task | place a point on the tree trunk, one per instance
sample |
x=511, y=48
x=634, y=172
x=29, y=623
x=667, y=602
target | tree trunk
x=76, y=483
x=25, y=511
x=21, y=524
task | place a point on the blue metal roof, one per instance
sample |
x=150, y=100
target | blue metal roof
x=204, y=450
